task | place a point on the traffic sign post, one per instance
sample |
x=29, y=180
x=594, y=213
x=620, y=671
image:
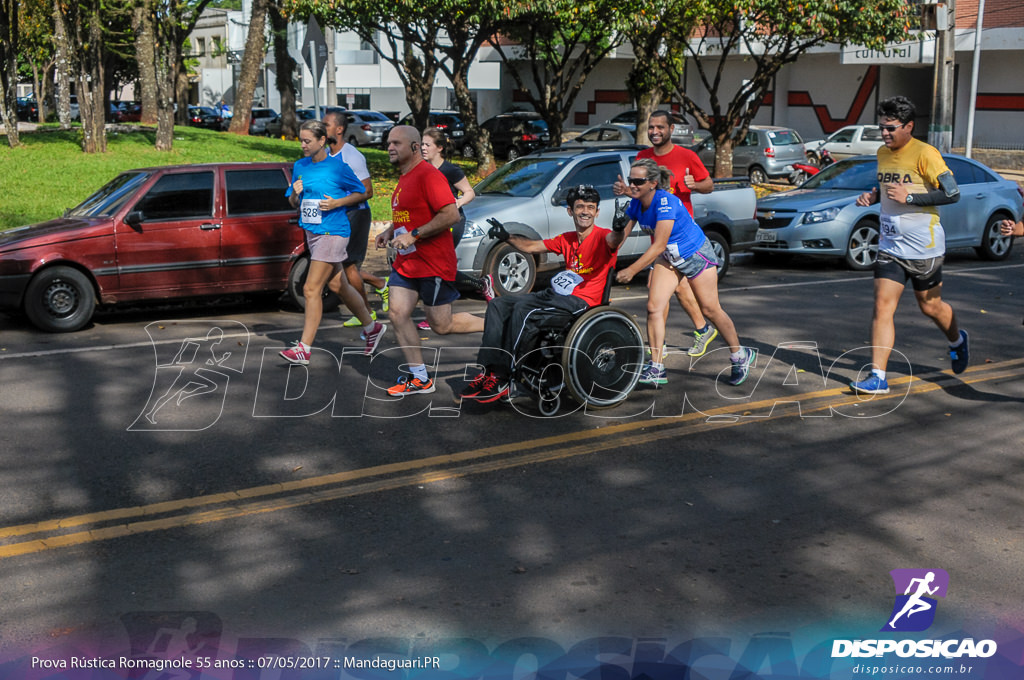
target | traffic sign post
x=314, y=53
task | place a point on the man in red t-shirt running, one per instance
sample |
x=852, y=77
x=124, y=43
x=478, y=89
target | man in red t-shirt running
x=589, y=254
x=688, y=175
x=422, y=213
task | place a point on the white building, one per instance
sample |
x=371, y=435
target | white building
x=823, y=91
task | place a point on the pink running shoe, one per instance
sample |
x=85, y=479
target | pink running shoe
x=298, y=354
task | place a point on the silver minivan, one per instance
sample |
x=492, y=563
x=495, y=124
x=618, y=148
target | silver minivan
x=767, y=152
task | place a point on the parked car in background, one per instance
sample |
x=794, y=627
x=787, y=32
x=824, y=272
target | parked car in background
x=27, y=109
x=128, y=112
x=257, y=121
x=528, y=195
x=154, y=234
x=274, y=125
x=517, y=133
x=449, y=122
x=367, y=128
x=75, y=113
x=204, y=117
x=767, y=152
x=607, y=134
x=822, y=219
x=852, y=140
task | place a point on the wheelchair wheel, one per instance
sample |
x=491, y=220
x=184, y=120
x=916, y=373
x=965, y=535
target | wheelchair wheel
x=602, y=358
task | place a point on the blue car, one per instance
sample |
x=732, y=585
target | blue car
x=821, y=218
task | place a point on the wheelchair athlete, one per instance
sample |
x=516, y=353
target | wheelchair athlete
x=589, y=254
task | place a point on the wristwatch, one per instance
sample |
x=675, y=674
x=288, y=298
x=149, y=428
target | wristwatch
x=415, y=233
x=910, y=199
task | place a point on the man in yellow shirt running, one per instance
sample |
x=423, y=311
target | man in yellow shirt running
x=912, y=180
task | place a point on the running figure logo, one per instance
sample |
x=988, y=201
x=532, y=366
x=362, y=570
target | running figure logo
x=192, y=373
x=914, y=609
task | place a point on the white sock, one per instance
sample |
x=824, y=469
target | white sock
x=880, y=374
x=419, y=371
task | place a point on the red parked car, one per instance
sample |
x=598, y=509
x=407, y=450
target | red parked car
x=156, y=234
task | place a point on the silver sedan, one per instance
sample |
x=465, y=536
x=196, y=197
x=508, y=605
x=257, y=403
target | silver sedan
x=820, y=217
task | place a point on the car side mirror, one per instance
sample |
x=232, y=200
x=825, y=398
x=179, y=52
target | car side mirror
x=134, y=219
x=560, y=196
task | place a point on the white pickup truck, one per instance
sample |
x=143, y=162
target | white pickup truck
x=852, y=140
x=528, y=196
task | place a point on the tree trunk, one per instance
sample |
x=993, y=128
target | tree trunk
x=480, y=137
x=250, y=69
x=92, y=103
x=181, y=87
x=9, y=70
x=164, y=69
x=62, y=68
x=285, y=70
x=145, y=56
x=420, y=84
x=723, y=154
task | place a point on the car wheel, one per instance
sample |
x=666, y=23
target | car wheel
x=721, y=247
x=862, y=247
x=514, y=272
x=812, y=159
x=758, y=175
x=798, y=177
x=994, y=246
x=352, y=141
x=60, y=300
x=297, y=279
x=513, y=153
x=468, y=151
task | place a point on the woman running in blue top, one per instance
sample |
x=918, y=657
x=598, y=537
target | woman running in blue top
x=323, y=187
x=678, y=248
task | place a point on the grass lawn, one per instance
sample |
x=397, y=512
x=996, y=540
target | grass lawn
x=49, y=173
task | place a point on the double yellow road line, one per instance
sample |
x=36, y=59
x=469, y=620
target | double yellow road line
x=109, y=524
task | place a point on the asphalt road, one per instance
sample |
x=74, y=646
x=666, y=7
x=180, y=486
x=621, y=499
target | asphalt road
x=276, y=503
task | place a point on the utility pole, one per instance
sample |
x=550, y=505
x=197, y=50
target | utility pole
x=332, y=88
x=940, y=127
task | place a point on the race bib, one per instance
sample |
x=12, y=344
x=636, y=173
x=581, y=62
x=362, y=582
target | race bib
x=309, y=209
x=672, y=254
x=411, y=248
x=891, y=227
x=565, y=282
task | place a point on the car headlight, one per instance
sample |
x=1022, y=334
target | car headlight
x=473, y=230
x=816, y=216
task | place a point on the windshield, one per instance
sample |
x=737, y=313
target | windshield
x=784, y=137
x=111, y=197
x=859, y=175
x=521, y=177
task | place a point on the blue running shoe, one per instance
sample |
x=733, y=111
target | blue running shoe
x=653, y=376
x=873, y=385
x=741, y=367
x=960, y=355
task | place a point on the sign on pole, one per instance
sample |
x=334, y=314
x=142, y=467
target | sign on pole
x=314, y=53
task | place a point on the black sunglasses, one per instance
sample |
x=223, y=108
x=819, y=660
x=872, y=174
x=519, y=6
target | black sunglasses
x=891, y=128
x=638, y=181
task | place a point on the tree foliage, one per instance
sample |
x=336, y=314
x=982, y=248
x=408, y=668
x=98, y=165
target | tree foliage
x=551, y=46
x=767, y=34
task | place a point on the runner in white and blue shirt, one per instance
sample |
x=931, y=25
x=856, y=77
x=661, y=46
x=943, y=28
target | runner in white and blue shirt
x=329, y=178
x=686, y=237
x=678, y=248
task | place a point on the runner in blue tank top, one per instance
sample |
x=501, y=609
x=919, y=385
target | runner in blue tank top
x=678, y=248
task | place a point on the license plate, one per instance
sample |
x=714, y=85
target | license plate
x=766, y=237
